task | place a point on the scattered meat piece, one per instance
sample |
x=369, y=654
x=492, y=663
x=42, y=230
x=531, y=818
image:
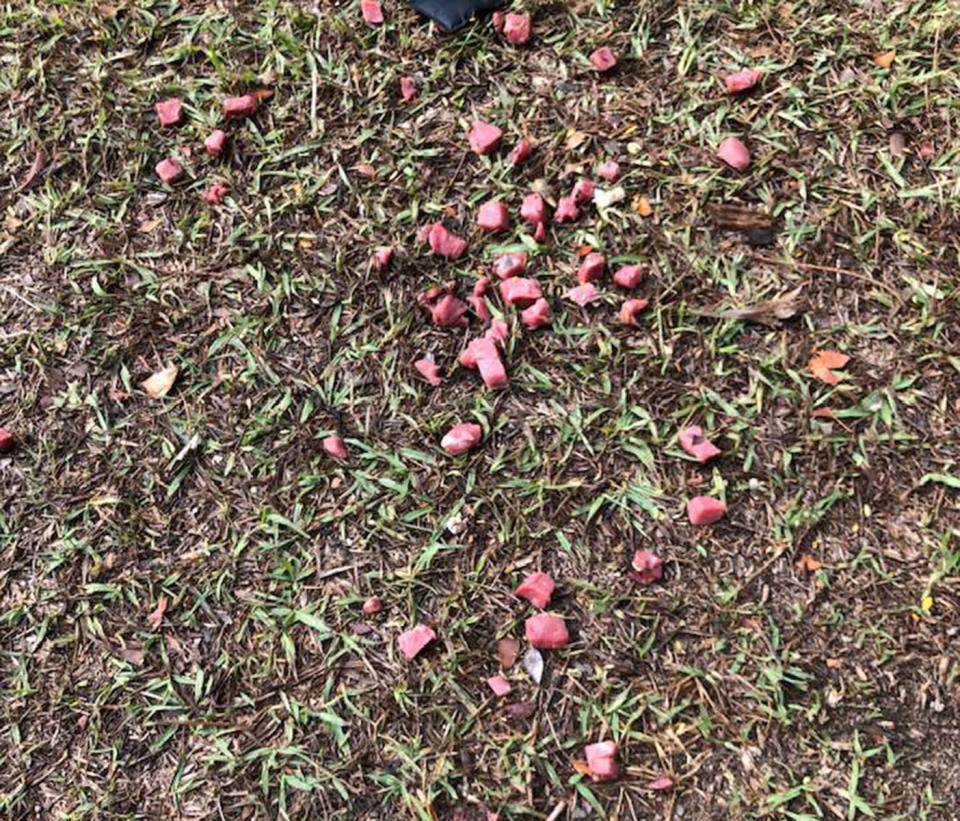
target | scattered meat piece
x=444, y=243
x=169, y=170
x=603, y=58
x=741, y=80
x=461, y=438
x=215, y=193
x=216, y=142
x=520, y=291
x=493, y=216
x=609, y=171
x=521, y=153
x=584, y=294
x=546, y=632
x=477, y=349
x=734, y=153
x=647, y=567
x=245, y=106
x=498, y=332
x=480, y=286
x=413, y=641
x=429, y=371
x=424, y=231
x=493, y=373
x=372, y=605
x=170, y=112
x=381, y=258
x=631, y=309
x=407, y=89
x=537, y=315
x=584, y=190
x=479, y=305
x=533, y=209
x=592, y=268
x=661, y=783
x=483, y=137
x=431, y=295
x=372, y=13
x=335, y=447
x=450, y=312
x=500, y=686
x=516, y=28
x=693, y=441
x=705, y=510
x=7, y=440
x=537, y=589
x=602, y=760
x=566, y=210
x=497, y=21
x=540, y=234
x=510, y=265
x=629, y=276
x=507, y=652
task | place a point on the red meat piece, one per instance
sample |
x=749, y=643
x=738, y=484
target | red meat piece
x=630, y=309
x=372, y=605
x=444, y=243
x=245, y=106
x=493, y=216
x=493, y=373
x=516, y=28
x=483, y=137
x=521, y=153
x=609, y=171
x=477, y=349
x=741, y=80
x=546, y=632
x=215, y=193
x=540, y=234
x=480, y=286
x=705, y=510
x=592, y=268
x=7, y=440
x=407, y=89
x=693, y=441
x=216, y=142
x=536, y=315
x=628, y=276
x=429, y=371
x=500, y=686
x=533, y=209
x=734, y=153
x=603, y=58
x=461, y=438
x=170, y=112
x=413, y=641
x=647, y=567
x=498, y=332
x=372, y=13
x=602, y=760
x=584, y=190
x=537, y=589
x=520, y=291
x=510, y=265
x=335, y=447
x=566, y=210
x=169, y=170
x=449, y=312
x=381, y=258
x=584, y=294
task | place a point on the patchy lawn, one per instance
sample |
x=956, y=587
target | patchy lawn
x=182, y=577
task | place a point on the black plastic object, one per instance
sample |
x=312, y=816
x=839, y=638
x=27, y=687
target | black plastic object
x=452, y=14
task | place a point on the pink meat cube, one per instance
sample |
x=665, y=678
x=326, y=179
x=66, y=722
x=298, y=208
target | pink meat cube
x=540, y=234
x=372, y=605
x=429, y=371
x=444, y=243
x=216, y=142
x=407, y=89
x=413, y=641
x=500, y=686
x=493, y=216
x=521, y=153
x=533, y=209
x=584, y=294
x=461, y=438
x=592, y=268
x=510, y=265
x=516, y=28
x=546, y=632
x=479, y=305
x=424, y=231
x=741, y=80
x=631, y=309
x=170, y=112
x=372, y=13
x=381, y=258
x=734, y=153
x=498, y=332
x=705, y=510
x=335, y=447
x=7, y=440
x=609, y=171
x=566, y=210
x=493, y=373
x=693, y=441
x=537, y=589
x=497, y=21
x=483, y=137
x=215, y=193
x=647, y=567
x=245, y=106
x=584, y=191
x=480, y=286
x=537, y=315
x=602, y=760
x=169, y=170
x=603, y=58
x=450, y=312
x=477, y=349
x=520, y=291
x=629, y=276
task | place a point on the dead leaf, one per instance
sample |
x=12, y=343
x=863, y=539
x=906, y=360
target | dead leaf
x=885, y=59
x=823, y=413
x=824, y=362
x=522, y=709
x=765, y=313
x=808, y=563
x=832, y=359
x=132, y=655
x=156, y=617
x=158, y=385
x=898, y=144
x=583, y=250
x=604, y=198
x=581, y=767
x=533, y=664
x=36, y=167
x=834, y=664
x=147, y=226
x=367, y=171
x=737, y=218
x=642, y=206
x=575, y=139
x=263, y=94
x=507, y=652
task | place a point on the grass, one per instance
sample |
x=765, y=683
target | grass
x=765, y=688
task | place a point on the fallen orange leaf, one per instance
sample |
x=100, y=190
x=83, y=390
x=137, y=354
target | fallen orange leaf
x=156, y=617
x=581, y=767
x=808, y=563
x=885, y=59
x=824, y=413
x=642, y=206
x=833, y=359
x=824, y=361
x=583, y=250
x=823, y=373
